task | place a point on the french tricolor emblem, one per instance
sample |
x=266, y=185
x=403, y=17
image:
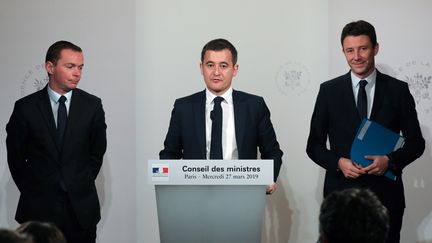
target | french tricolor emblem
x=160, y=170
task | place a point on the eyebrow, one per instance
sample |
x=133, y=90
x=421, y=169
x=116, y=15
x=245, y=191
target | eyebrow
x=217, y=63
x=73, y=64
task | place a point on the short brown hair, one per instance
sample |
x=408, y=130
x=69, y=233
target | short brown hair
x=54, y=51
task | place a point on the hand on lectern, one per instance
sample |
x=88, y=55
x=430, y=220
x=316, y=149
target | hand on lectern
x=271, y=188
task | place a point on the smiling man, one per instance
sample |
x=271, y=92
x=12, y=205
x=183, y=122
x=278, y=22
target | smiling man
x=56, y=139
x=342, y=103
x=219, y=122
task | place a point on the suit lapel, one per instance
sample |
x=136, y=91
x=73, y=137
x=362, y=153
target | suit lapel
x=73, y=114
x=379, y=91
x=348, y=99
x=47, y=113
x=198, y=107
x=349, y=112
x=239, y=119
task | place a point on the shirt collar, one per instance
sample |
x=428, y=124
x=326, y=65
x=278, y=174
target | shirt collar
x=371, y=79
x=54, y=96
x=227, y=96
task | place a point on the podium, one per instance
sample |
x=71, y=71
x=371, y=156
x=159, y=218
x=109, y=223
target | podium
x=210, y=201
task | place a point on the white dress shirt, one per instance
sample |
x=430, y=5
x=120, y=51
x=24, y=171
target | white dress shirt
x=54, y=97
x=229, y=144
x=370, y=89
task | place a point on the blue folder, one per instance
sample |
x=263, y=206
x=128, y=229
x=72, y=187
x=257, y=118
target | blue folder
x=374, y=139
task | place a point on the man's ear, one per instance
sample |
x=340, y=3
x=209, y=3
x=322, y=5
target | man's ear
x=49, y=66
x=376, y=49
x=236, y=67
x=201, y=68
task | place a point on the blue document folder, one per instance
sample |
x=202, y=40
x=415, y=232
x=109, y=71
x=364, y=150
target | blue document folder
x=374, y=139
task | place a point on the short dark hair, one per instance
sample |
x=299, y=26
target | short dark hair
x=357, y=28
x=42, y=232
x=54, y=51
x=353, y=215
x=219, y=45
x=10, y=236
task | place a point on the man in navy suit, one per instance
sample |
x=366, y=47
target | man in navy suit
x=246, y=123
x=342, y=103
x=56, y=139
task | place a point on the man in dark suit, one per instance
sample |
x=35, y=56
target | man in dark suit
x=384, y=100
x=56, y=139
x=245, y=119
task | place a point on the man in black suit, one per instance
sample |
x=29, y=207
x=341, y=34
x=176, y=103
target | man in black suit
x=384, y=100
x=56, y=139
x=245, y=119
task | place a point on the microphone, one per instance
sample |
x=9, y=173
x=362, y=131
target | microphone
x=212, y=115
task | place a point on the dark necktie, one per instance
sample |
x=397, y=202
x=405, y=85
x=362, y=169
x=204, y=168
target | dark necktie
x=362, y=99
x=61, y=117
x=216, y=133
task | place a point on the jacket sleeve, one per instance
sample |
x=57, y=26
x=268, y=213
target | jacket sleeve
x=173, y=148
x=414, y=142
x=267, y=142
x=98, y=138
x=319, y=128
x=16, y=145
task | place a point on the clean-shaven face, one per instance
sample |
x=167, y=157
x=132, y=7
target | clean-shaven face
x=360, y=54
x=218, y=70
x=66, y=73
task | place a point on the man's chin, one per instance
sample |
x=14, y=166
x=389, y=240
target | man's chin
x=218, y=91
x=359, y=71
x=69, y=88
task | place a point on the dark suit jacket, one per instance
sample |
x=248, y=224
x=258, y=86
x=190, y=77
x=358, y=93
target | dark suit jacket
x=39, y=163
x=186, y=137
x=335, y=116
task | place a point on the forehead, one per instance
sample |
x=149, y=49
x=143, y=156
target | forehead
x=359, y=40
x=68, y=55
x=218, y=56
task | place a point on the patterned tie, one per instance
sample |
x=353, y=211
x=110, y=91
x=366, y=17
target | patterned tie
x=61, y=117
x=216, y=134
x=362, y=100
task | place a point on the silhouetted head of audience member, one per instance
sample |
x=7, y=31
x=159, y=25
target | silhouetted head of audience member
x=42, y=232
x=353, y=216
x=10, y=236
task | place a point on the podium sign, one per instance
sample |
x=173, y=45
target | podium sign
x=210, y=201
x=210, y=172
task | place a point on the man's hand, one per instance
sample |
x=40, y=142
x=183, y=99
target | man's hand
x=349, y=169
x=379, y=165
x=271, y=188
